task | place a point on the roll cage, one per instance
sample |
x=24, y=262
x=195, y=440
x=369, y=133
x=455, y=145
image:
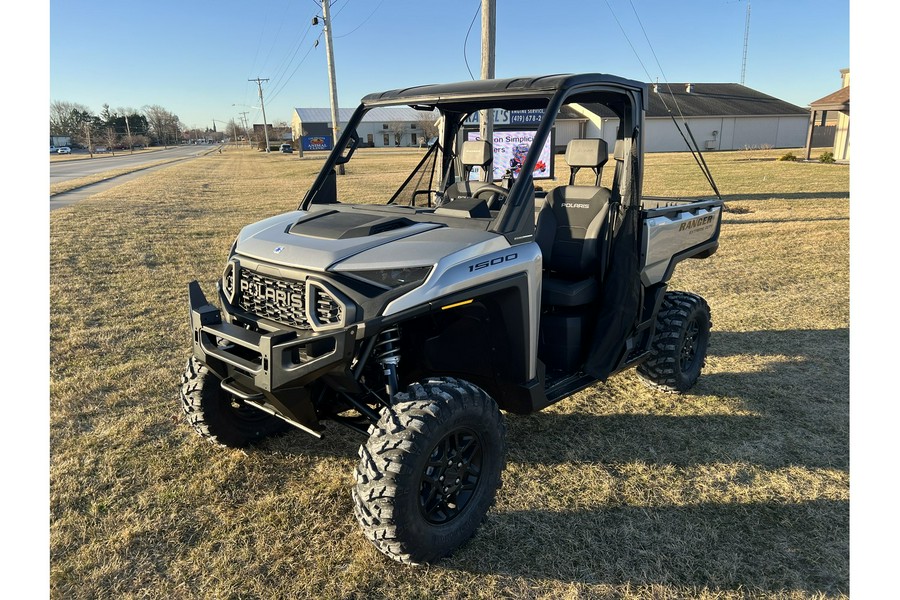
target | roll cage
x=456, y=101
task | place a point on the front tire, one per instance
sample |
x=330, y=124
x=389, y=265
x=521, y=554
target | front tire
x=678, y=350
x=430, y=470
x=219, y=417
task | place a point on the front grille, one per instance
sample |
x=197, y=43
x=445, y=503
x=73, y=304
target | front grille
x=328, y=310
x=274, y=299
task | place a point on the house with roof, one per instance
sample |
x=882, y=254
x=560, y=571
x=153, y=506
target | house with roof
x=721, y=116
x=834, y=103
x=385, y=126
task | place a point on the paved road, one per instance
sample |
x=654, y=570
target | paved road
x=72, y=169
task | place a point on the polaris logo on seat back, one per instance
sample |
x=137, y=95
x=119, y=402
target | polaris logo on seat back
x=575, y=205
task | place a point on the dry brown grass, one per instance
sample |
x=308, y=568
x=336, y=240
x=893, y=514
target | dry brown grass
x=737, y=489
x=72, y=184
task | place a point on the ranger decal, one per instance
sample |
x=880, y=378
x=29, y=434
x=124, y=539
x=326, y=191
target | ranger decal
x=695, y=223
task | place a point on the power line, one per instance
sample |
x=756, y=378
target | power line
x=361, y=24
x=291, y=76
x=285, y=64
x=466, y=41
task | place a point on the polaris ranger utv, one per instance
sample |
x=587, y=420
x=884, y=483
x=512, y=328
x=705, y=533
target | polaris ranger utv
x=414, y=314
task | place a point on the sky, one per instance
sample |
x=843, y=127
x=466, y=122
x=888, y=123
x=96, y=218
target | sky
x=195, y=57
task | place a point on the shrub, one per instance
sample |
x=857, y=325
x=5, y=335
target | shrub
x=827, y=157
x=788, y=156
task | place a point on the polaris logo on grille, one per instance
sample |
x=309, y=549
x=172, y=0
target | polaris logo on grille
x=575, y=205
x=280, y=298
x=278, y=249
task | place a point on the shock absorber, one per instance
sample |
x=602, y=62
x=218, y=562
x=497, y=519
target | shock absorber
x=387, y=353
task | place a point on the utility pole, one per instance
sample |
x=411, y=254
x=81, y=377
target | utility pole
x=332, y=82
x=128, y=129
x=263, y=105
x=244, y=123
x=488, y=33
x=87, y=133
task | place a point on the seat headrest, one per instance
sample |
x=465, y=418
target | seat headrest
x=587, y=153
x=476, y=154
x=619, y=150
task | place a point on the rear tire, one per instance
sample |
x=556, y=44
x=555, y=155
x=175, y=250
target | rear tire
x=218, y=416
x=430, y=470
x=678, y=350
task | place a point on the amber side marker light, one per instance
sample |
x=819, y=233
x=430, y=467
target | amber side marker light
x=463, y=303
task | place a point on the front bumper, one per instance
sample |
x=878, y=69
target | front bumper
x=251, y=362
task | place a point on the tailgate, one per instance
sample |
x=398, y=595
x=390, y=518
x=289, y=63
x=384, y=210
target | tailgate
x=674, y=230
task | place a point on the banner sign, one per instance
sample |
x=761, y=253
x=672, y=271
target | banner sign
x=510, y=149
x=316, y=142
x=532, y=116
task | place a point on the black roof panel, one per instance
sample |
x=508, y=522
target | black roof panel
x=536, y=86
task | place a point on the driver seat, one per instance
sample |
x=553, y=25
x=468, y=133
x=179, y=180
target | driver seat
x=474, y=154
x=570, y=230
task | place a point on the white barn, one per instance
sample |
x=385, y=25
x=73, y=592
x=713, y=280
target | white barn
x=722, y=116
x=381, y=127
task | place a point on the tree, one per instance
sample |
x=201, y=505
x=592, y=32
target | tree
x=67, y=118
x=164, y=125
x=111, y=139
x=398, y=128
x=427, y=124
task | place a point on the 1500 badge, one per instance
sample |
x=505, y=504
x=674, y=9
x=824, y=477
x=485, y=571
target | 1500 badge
x=494, y=261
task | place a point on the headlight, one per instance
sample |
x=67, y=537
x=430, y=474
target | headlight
x=392, y=278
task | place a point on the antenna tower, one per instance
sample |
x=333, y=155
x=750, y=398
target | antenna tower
x=746, y=42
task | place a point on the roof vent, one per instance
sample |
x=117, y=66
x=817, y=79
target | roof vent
x=688, y=87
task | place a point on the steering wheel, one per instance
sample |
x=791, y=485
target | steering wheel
x=490, y=188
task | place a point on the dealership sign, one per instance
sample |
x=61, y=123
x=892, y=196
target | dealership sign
x=531, y=116
x=510, y=149
x=316, y=142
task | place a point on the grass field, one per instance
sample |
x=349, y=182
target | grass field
x=737, y=489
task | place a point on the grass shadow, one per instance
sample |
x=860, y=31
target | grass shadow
x=752, y=547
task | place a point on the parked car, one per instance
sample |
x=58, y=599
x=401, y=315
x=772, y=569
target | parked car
x=287, y=148
x=53, y=149
x=64, y=150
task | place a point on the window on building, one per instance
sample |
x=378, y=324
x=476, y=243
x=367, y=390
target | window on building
x=370, y=139
x=415, y=140
x=384, y=126
x=387, y=140
x=412, y=125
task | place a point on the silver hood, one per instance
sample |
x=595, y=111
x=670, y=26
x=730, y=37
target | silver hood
x=318, y=239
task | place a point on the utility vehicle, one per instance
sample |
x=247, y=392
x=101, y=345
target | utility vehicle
x=415, y=313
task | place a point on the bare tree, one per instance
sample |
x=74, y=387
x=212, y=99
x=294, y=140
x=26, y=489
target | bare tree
x=164, y=124
x=111, y=139
x=398, y=128
x=427, y=124
x=67, y=118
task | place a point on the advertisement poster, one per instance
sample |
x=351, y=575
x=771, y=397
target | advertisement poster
x=316, y=142
x=510, y=149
